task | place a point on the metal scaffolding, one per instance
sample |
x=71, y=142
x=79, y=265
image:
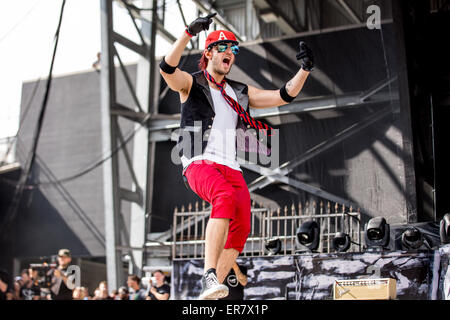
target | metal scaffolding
x=141, y=165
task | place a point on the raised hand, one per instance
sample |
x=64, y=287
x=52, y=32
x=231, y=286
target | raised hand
x=306, y=56
x=200, y=24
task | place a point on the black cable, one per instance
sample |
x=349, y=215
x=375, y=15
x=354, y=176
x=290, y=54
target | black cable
x=95, y=165
x=100, y=162
x=119, y=147
x=3, y=161
x=15, y=202
x=89, y=168
x=27, y=108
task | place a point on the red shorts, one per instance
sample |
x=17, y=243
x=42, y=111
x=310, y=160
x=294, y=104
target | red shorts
x=227, y=191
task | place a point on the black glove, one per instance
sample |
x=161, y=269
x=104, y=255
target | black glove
x=200, y=24
x=305, y=54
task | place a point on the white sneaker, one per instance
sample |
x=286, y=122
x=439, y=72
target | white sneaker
x=211, y=288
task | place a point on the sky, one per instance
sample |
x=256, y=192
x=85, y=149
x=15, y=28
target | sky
x=27, y=29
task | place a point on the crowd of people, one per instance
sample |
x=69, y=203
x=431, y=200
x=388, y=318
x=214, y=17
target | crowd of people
x=53, y=284
x=31, y=284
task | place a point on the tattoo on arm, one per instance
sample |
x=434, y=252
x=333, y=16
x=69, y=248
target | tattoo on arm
x=288, y=86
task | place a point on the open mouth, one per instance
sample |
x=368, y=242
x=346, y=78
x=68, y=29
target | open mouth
x=226, y=61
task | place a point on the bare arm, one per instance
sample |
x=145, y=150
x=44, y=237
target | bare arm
x=260, y=99
x=273, y=98
x=179, y=81
x=159, y=296
x=16, y=289
x=242, y=278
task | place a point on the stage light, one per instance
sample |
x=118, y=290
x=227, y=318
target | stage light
x=412, y=238
x=444, y=229
x=308, y=235
x=341, y=242
x=377, y=233
x=273, y=245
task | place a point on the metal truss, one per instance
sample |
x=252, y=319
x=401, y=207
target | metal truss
x=141, y=164
x=346, y=10
x=372, y=96
x=287, y=25
x=206, y=8
x=280, y=174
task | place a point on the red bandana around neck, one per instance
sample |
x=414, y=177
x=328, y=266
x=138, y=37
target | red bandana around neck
x=245, y=116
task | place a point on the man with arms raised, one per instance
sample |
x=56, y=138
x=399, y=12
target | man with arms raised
x=215, y=107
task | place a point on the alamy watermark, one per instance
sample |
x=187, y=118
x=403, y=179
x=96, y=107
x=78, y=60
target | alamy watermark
x=248, y=145
x=73, y=275
x=374, y=19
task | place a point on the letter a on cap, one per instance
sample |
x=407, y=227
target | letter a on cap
x=222, y=36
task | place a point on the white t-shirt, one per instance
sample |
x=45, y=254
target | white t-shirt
x=221, y=147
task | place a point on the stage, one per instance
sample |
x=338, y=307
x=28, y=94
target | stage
x=423, y=275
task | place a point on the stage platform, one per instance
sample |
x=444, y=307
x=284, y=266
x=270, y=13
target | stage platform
x=423, y=275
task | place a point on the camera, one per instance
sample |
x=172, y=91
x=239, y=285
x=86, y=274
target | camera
x=45, y=277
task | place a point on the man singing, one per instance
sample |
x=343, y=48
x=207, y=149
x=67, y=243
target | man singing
x=215, y=108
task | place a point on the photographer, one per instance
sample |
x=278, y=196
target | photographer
x=59, y=289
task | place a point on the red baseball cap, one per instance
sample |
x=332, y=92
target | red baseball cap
x=219, y=36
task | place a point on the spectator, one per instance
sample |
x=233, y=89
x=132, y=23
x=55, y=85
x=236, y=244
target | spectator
x=28, y=288
x=6, y=289
x=114, y=294
x=86, y=293
x=123, y=294
x=101, y=293
x=96, y=294
x=159, y=290
x=59, y=289
x=135, y=292
x=19, y=282
x=96, y=64
x=35, y=278
x=79, y=294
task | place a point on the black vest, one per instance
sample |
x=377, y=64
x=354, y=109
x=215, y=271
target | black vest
x=197, y=116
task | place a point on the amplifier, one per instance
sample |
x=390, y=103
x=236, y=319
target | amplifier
x=365, y=289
